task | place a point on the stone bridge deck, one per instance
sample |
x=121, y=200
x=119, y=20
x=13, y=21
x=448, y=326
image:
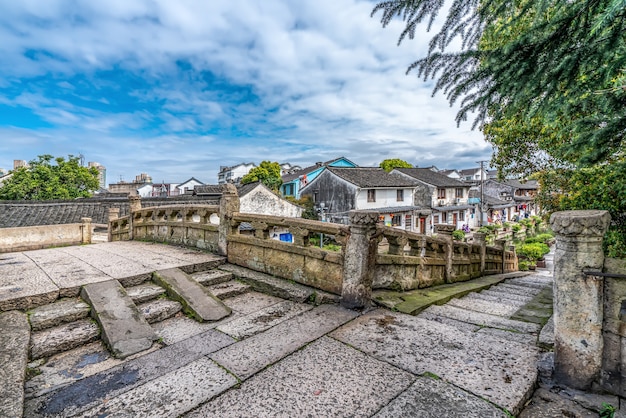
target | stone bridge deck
x=475, y=356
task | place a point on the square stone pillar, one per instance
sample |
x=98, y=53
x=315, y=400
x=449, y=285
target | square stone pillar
x=86, y=230
x=229, y=204
x=480, y=239
x=578, y=298
x=135, y=205
x=114, y=213
x=445, y=231
x=359, y=260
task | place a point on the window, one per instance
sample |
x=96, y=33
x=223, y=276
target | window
x=371, y=195
x=444, y=217
x=289, y=189
x=408, y=222
x=400, y=195
x=459, y=192
x=462, y=216
x=396, y=220
x=441, y=193
x=436, y=219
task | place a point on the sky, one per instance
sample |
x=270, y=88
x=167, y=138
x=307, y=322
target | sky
x=177, y=89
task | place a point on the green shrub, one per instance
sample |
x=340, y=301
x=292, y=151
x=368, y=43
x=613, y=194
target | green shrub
x=524, y=265
x=516, y=227
x=506, y=225
x=458, y=235
x=614, y=243
x=533, y=251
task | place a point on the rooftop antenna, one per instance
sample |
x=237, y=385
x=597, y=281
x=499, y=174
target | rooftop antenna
x=81, y=158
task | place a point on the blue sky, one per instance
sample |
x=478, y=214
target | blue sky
x=178, y=88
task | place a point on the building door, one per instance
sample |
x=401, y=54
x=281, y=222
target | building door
x=454, y=219
x=422, y=226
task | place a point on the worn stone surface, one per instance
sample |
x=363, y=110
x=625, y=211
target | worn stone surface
x=195, y=298
x=518, y=290
x=251, y=302
x=263, y=319
x=169, y=395
x=478, y=318
x=124, y=329
x=251, y=355
x=546, y=404
x=480, y=364
x=23, y=284
x=460, y=325
x=308, y=383
x=504, y=295
x=228, y=289
x=489, y=307
x=144, y=292
x=265, y=283
x=13, y=358
x=159, y=310
x=432, y=398
x=495, y=299
x=546, y=336
x=57, y=313
x=93, y=390
x=61, y=338
x=208, y=278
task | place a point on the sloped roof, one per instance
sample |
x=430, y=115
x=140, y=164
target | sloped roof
x=468, y=171
x=244, y=189
x=371, y=177
x=208, y=189
x=524, y=185
x=190, y=179
x=292, y=176
x=430, y=177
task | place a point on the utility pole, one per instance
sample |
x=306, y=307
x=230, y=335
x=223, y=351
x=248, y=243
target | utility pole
x=481, y=207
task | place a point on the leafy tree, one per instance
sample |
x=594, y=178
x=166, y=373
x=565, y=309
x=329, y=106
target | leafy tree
x=267, y=173
x=560, y=60
x=391, y=163
x=50, y=178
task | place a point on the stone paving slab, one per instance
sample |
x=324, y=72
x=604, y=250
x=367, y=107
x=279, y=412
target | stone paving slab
x=479, y=364
x=263, y=319
x=191, y=260
x=142, y=251
x=196, y=299
x=23, y=284
x=546, y=336
x=433, y=398
x=14, y=341
x=91, y=391
x=504, y=295
x=517, y=290
x=251, y=355
x=496, y=299
x=483, y=306
x=65, y=270
x=169, y=395
x=483, y=319
x=325, y=379
x=124, y=330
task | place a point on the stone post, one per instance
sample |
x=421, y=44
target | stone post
x=359, y=260
x=578, y=298
x=480, y=239
x=135, y=205
x=86, y=230
x=114, y=213
x=445, y=231
x=501, y=245
x=229, y=204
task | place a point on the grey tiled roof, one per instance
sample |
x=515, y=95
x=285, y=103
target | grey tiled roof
x=428, y=176
x=32, y=213
x=208, y=189
x=524, y=185
x=371, y=177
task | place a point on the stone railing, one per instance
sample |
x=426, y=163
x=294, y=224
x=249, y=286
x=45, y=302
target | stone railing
x=352, y=271
x=45, y=236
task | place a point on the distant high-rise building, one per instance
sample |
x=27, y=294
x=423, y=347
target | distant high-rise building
x=102, y=173
x=19, y=163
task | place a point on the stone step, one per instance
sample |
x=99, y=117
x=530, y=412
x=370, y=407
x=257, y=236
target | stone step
x=483, y=319
x=13, y=358
x=144, y=292
x=496, y=299
x=517, y=290
x=525, y=282
x=57, y=313
x=494, y=291
x=159, y=310
x=211, y=277
x=124, y=330
x=196, y=299
x=482, y=306
x=546, y=336
x=275, y=286
x=229, y=289
x=50, y=341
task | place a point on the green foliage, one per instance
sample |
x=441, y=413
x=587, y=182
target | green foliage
x=607, y=411
x=524, y=265
x=533, y=251
x=267, y=173
x=458, y=235
x=516, y=227
x=614, y=243
x=391, y=163
x=48, y=178
x=307, y=203
x=542, y=238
